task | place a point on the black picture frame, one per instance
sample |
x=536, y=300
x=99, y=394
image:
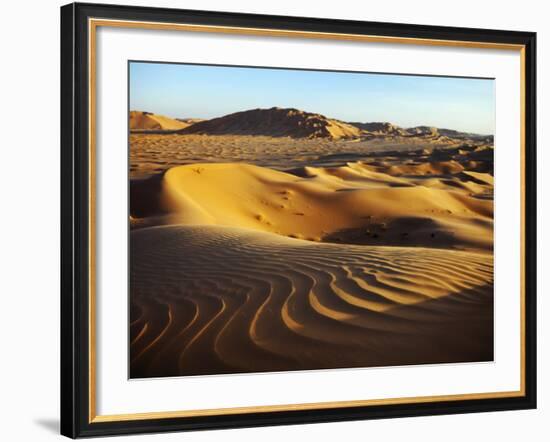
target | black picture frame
x=75, y=220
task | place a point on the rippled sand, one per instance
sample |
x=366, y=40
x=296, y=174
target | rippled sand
x=215, y=299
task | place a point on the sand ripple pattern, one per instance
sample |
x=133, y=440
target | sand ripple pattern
x=211, y=300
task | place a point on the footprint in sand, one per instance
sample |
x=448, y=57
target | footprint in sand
x=262, y=218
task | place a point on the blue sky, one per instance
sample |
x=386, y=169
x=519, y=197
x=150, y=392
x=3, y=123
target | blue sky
x=191, y=91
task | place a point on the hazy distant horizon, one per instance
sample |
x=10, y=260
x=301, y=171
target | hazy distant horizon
x=206, y=91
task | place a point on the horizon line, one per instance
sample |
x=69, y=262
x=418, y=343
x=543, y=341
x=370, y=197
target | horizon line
x=314, y=113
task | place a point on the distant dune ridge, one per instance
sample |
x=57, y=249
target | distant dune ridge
x=381, y=128
x=190, y=121
x=277, y=239
x=276, y=122
x=290, y=122
x=147, y=121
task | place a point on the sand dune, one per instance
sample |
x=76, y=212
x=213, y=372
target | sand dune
x=209, y=299
x=147, y=121
x=352, y=204
x=381, y=128
x=276, y=122
x=295, y=123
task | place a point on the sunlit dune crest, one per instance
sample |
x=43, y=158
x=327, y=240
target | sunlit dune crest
x=353, y=203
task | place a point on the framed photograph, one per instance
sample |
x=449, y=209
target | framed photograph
x=274, y=220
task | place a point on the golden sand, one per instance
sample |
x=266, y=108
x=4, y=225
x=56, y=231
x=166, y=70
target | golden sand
x=307, y=254
x=209, y=299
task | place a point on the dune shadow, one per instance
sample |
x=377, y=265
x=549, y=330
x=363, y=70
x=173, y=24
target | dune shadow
x=406, y=231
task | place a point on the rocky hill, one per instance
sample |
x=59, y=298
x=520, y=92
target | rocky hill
x=276, y=122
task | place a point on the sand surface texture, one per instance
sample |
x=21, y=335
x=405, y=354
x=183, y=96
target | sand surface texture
x=210, y=299
x=253, y=252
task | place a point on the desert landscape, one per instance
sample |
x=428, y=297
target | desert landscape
x=276, y=239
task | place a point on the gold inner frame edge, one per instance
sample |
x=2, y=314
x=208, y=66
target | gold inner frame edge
x=93, y=24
